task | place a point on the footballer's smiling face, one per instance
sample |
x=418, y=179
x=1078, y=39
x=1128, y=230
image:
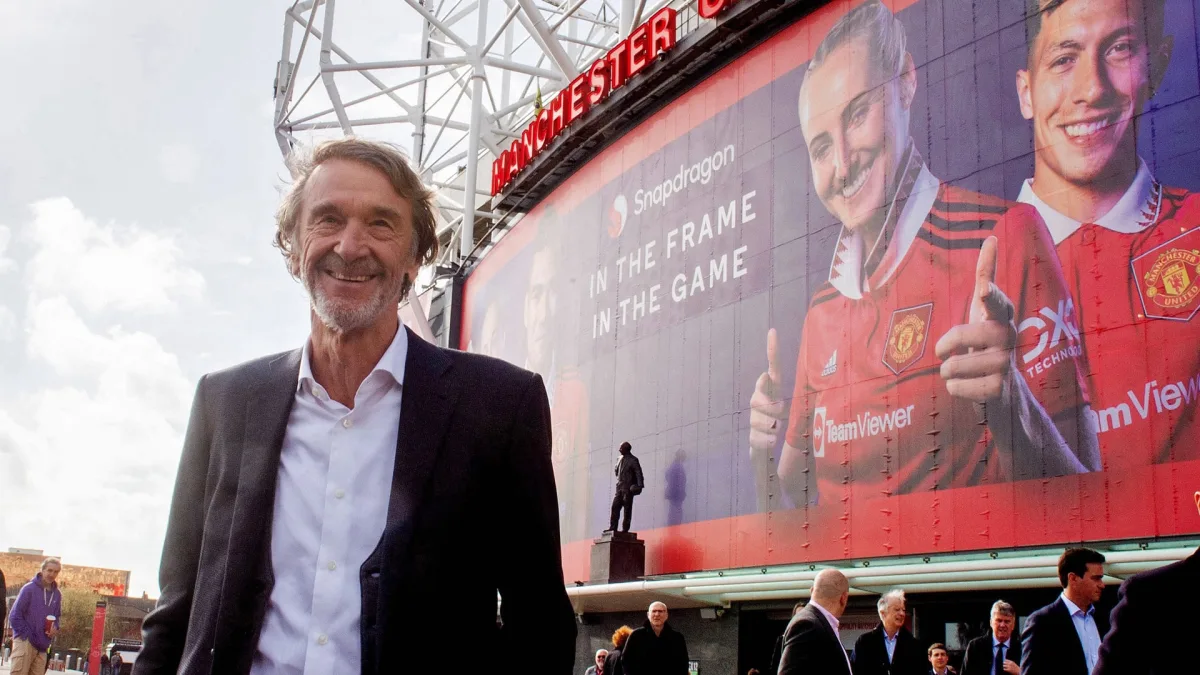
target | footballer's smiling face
x=1091, y=71
x=855, y=123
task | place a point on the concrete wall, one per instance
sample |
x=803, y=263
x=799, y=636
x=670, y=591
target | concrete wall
x=713, y=643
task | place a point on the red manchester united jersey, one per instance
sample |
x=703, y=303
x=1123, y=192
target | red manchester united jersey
x=1137, y=297
x=870, y=403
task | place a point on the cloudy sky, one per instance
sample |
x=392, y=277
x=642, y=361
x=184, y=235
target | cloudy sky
x=138, y=180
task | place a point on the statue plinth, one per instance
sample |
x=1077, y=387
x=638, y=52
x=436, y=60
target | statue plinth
x=618, y=556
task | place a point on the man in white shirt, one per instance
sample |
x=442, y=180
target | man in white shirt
x=331, y=501
x=1062, y=638
x=812, y=643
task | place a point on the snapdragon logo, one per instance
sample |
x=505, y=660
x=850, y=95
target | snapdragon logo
x=701, y=172
x=617, y=216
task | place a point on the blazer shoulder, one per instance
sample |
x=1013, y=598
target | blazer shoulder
x=1049, y=609
x=253, y=370
x=868, y=640
x=478, y=365
x=1168, y=576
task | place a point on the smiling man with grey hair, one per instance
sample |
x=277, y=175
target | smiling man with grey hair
x=305, y=525
x=889, y=649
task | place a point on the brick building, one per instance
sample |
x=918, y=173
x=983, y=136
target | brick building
x=20, y=565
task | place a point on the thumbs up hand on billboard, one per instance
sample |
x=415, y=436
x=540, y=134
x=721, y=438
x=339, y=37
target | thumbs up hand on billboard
x=977, y=357
x=767, y=412
x=767, y=420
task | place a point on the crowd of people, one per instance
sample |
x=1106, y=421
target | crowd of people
x=1066, y=637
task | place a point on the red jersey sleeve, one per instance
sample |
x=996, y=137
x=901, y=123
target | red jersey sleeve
x=1048, y=350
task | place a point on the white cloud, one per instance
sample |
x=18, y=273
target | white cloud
x=8, y=324
x=6, y=263
x=97, y=455
x=105, y=266
x=92, y=453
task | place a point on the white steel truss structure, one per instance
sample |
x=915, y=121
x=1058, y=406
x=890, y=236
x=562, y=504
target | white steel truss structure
x=452, y=81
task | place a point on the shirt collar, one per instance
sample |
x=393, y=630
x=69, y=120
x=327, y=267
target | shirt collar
x=1135, y=211
x=392, y=361
x=850, y=271
x=997, y=642
x=1074, y=609
x=833, y=620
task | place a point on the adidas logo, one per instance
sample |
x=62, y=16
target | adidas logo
x=830, y=365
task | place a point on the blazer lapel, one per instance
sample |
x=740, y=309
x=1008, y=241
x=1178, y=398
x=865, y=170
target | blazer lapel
x=425, y=410
x=267, y=412
x=820, y=617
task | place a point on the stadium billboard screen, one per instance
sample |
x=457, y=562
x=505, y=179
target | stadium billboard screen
x=907, y=278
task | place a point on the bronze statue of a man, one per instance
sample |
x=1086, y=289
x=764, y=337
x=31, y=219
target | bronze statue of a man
x=629, y=483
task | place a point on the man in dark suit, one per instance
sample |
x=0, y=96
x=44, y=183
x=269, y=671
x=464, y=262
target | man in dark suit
x=629, y=485
x=656, y=648
x=1155, y=608
x=332, y=502
x=1063, y=638
x=889, y=649
x=997, y=652
x=777, y=651
x=811, y=643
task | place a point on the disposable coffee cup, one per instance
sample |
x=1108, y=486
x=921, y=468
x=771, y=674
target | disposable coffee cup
x=50, y=619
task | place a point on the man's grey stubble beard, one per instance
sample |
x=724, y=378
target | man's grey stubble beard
x=344, y=319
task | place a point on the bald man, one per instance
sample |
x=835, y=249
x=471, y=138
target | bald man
x=811, y=643
x=655, y=648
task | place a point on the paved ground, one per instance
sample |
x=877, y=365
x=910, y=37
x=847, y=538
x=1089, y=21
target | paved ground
x=4, y=670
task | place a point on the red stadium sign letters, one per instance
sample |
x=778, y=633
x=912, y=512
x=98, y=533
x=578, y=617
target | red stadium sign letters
x=623, y=62
x=710, y=8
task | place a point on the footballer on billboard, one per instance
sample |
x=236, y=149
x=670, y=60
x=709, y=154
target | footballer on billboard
x=909, y=277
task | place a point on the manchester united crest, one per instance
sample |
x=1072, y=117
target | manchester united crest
x=1168, y=278
x=906, y=337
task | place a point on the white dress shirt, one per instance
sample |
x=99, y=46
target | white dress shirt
x=833, y=623
x=1085, y=627
x=331, y=501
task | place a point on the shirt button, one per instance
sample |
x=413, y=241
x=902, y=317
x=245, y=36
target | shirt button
x=347, y=423
x=332, y=566
x=322, y=639
x=339, y=493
